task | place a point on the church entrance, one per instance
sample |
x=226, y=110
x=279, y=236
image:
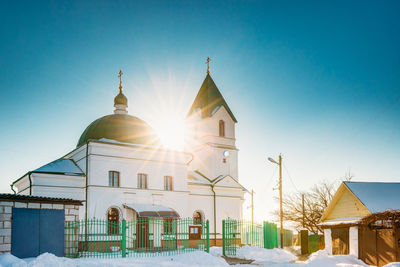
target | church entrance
x=113, y=221
x=142, y=233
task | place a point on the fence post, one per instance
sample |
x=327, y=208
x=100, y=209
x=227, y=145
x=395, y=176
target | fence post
x=265, y=234
x=223, y=238
x=208, y=236
x=123, y=238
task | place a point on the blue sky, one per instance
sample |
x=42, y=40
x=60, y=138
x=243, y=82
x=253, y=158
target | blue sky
x=317, y=81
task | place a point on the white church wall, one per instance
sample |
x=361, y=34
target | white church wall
x=228, y=204
x=222, y=114
x=102, y=198
x=79, y=156
x=129, y=170
x=208, y=148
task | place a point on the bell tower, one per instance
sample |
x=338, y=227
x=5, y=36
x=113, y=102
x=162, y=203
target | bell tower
x=210, y=133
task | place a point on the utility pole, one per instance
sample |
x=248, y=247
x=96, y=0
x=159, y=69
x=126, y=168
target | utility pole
x=280, y=192
x=280, y=197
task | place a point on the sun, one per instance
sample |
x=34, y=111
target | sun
x=171, y=132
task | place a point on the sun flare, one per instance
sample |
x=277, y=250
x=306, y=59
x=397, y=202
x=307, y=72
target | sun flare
x=171, y=132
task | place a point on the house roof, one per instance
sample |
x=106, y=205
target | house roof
x=368, y=198
x=209, y=99
x=36, y=199
x=61, y=166
x=376, y=196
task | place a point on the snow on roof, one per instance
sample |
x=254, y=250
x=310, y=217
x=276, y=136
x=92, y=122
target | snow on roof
x=338, y=221
x=197, y=178
x=377, y=196
x=64, y=166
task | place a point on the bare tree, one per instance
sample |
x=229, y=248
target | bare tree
x=348, y=176
x=315, y=203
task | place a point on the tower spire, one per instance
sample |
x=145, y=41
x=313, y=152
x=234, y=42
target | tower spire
x=120, y=80
x=208, y=65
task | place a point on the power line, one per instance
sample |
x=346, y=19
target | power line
x=272, y=176
x=290, y=178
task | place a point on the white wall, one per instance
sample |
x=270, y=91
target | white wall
x=328, y=240
x=207, y=147
x=353, y=241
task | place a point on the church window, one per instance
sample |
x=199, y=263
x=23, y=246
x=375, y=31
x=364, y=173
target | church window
x=168, y=183
x=221, y=128
x=142, y=181
x=197, y=217
x=169, y=226
x=113, y=178
x=113, y=221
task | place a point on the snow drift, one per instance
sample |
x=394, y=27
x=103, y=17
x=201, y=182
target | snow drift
x=275, y=255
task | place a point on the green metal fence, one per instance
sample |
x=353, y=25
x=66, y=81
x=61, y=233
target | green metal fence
x=142, y=237
x=315, y=243
x=237, y=233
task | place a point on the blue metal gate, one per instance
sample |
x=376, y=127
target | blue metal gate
x=37, y=231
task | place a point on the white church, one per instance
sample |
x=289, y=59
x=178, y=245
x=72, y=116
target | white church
x=120, y=170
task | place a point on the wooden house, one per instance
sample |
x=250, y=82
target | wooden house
x=362, y=220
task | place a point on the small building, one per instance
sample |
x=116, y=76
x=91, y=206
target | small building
x=32, y=225
x=361, y=220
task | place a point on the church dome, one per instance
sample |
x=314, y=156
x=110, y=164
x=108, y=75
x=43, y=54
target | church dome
x=120, y=99
x=120, y=127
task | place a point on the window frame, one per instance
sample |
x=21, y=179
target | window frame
x=169, y=226
x=168, y=183
x=140, y=179
x=114, y=178
x=221, y=128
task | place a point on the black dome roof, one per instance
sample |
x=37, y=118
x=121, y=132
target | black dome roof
x=120, y=127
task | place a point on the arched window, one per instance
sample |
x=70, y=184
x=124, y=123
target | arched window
x=222, y=128
x=113, y=221
x=197, y=217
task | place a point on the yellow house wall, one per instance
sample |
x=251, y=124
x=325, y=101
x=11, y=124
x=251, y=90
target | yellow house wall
x=347, y=206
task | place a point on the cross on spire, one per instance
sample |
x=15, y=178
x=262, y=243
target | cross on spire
x=120, y=80
x=208, y=65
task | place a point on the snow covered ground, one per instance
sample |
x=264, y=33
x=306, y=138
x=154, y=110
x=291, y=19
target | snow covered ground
x=196, y=259
x=261, y=257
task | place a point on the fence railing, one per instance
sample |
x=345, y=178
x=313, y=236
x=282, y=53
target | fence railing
x=237, y=233
x=142, y=237
x=287, y=238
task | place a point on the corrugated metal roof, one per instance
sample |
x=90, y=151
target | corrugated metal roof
x=377, y=196
x=28, y=198
x=62, y=166
x=155, y=211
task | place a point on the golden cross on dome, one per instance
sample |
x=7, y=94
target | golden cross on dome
x=120, y=79
x=208, y=65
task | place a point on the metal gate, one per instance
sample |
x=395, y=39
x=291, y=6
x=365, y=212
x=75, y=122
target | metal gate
x=36, y=231
x=237, y=233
